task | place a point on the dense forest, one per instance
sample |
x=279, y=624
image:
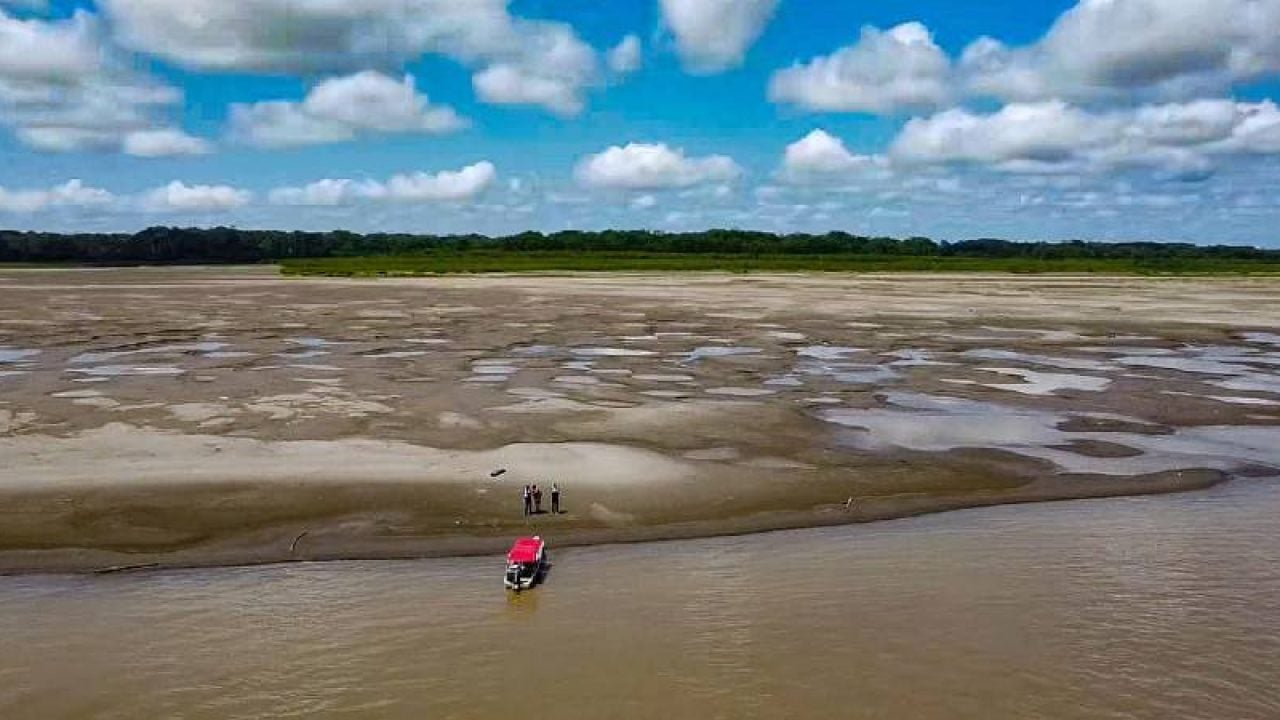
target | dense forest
x=163, y=245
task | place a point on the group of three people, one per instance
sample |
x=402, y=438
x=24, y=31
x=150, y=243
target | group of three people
x=533, y=499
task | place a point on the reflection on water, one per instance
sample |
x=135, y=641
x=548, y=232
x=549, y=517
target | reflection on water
x=1164, y=607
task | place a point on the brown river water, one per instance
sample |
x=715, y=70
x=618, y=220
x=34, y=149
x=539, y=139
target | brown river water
x=1156, y=607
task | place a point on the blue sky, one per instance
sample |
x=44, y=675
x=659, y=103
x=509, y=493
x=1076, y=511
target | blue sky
x=1102, y=119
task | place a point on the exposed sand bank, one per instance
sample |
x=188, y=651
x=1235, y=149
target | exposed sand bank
x=211, y=416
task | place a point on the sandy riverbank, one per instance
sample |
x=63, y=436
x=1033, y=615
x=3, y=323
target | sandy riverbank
x=223, y=416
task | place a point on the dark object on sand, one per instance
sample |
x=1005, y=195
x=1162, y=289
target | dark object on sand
x=499, y=472
x=293, y=546
x=125, y=568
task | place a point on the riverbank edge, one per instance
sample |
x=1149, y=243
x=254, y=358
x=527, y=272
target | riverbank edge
x=315, y=543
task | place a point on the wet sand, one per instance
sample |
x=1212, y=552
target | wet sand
x=224, y=416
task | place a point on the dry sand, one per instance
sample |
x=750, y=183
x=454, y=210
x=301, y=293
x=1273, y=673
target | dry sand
x=207, y=416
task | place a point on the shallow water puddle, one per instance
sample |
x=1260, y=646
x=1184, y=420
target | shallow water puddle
x=302, y=354
x=932, y=423
x=914, y=358
x=611, y=352
x=128, y=370
x=1262, y=338
x=13, y=355
x=1229, y=399
x=1041, y=383
x=200, y=348
x=713, y=351
x=826, y=352
x=1251, y=382
x=1050, y=361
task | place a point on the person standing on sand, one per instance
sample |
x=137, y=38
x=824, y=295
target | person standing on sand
x=537, y=500
x=528, y=501
x=555, y=499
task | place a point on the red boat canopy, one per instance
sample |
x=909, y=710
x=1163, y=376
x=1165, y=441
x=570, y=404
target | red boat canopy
x=525, y=550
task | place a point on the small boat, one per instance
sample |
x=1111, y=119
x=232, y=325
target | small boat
x=526, y=563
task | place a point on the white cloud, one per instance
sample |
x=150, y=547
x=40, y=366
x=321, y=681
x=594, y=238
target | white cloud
x=327, y=35
x=1045, y=133
x=1111, y=49
x=644, y=202
x=280, y=124
x=625, y=57
x=339, y=109
x=62, y=88
x=321, y=193
x=551, y=73
x=49, y=50
x=506, y=84
x=821, y=154
x=373, y=101
x=885, y=71
x=61, y=139
x=641, y=166
x=1098, y=52
x=714, y=35
x=73, y=193
x=1180, y=139
x=447, y=186
x=164, y=143
x=460, y=185
x=1257, y=132
x=177, y=196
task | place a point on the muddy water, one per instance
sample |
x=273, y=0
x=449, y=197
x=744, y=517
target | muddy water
x=1155, y=607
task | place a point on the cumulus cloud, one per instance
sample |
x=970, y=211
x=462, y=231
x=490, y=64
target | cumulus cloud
x=177, y=196
x=507, y=84
x=1179, y=138
x=714, y=35
x=884, y=72
x=1098, y=52
x=644, y=202
x=321, y=193
x=324, y=35
x=459, y=185
x=164, y=143
x=551, y=73
x=642, y=166
x=625, y=57
x=62, y=88
x=341, y=108
x=1099, y=49
x=820, y=154
x=447, y=186
x=49, y=50
x=73, y=193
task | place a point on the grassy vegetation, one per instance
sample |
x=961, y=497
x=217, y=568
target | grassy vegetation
x=518, y=262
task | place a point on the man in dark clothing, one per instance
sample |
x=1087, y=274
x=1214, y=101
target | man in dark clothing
x=555, y=499
x=528, y=501
x=537, y=500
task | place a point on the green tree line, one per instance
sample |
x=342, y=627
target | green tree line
x=167, y=245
